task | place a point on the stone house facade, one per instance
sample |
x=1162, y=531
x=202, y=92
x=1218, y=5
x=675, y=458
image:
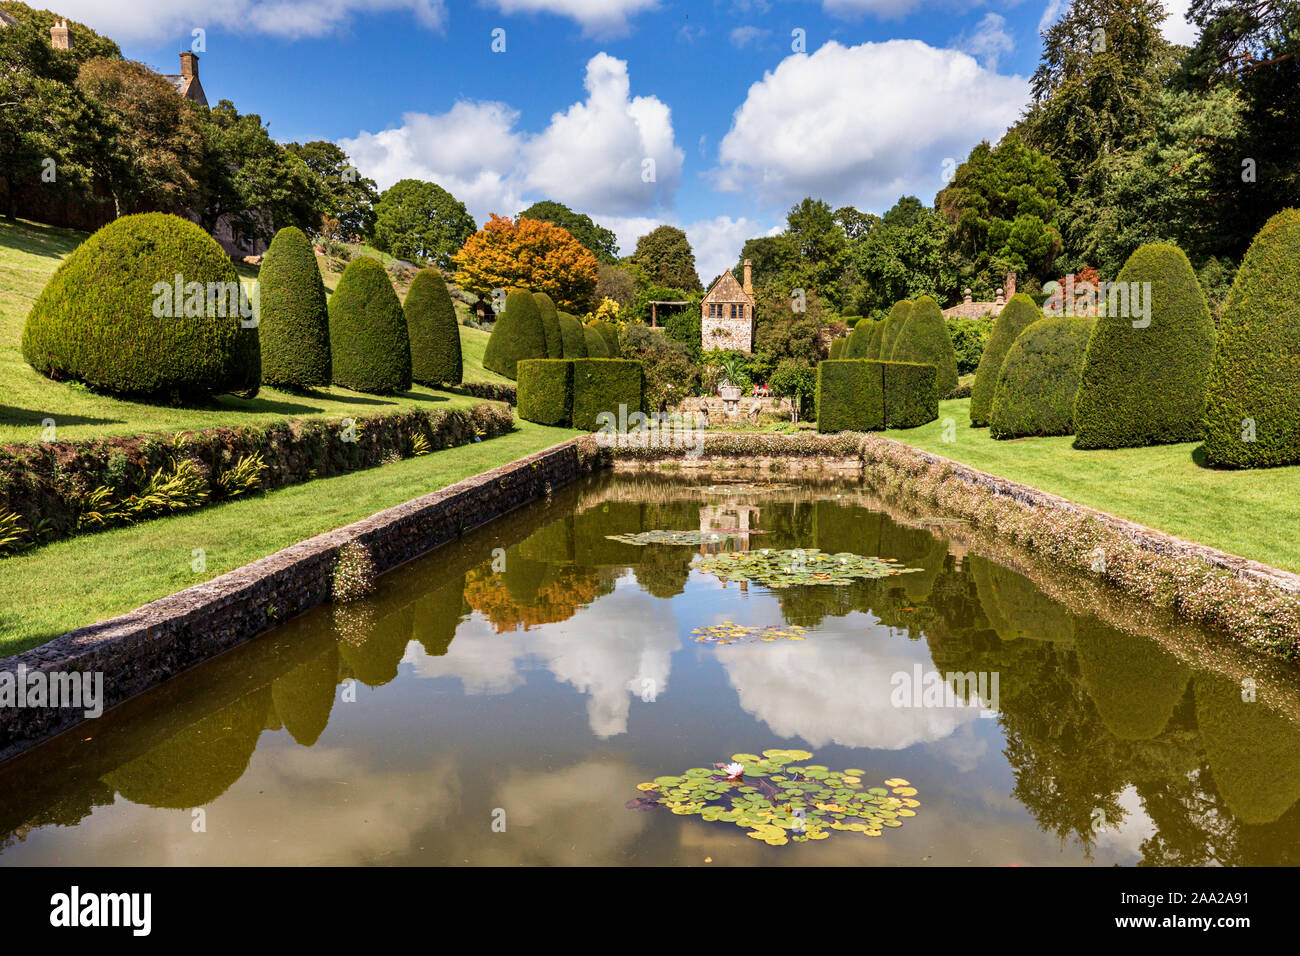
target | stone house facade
x=727, y=313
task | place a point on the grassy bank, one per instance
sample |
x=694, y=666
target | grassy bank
x=29, y=254
x=1249, y=513
x=82, y=580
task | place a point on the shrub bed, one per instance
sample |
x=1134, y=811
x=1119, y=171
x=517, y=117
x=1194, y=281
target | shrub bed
x=94, y=321
x=434, y=334
x=602, y=385
x=1145, y=385
x=496, y=391
x=1040, y=376
x=58, y=489
x=294, y=326
x=1252, y=415
x=1016, y=316
x=546, y=391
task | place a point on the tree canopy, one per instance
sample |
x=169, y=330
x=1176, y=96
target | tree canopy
x=422, y=222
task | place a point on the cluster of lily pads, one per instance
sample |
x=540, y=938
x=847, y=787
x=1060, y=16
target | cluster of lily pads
x=780, y=800
x=728, y=632
x=781, y=569
x=693, y=538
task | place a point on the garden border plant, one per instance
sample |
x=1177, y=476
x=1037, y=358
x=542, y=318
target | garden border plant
x=54, y=490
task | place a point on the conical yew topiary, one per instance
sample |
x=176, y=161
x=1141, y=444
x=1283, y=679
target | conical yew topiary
x=1144, y=374
x=859, y=339
x=1252, y=408
x=149, y=305
x=295, y=325
x=369, y=345
x=595, y=342
x=877, y=340
x=894, y=322
x=575, y=343
x=518, y=334
x=550, y=325
x=1039, y=379
x=925, y=340
x=431, y=325
x=1016, y=316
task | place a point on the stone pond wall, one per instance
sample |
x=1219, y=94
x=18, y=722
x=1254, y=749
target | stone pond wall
x=145, y=647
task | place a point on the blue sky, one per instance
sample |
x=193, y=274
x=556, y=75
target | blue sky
x=637, y=112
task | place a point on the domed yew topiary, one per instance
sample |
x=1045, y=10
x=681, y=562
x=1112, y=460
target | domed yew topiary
x=836, y=349
x=550, y=325
x=1145, y=370
x=1252, y=408
x=924, y=340
x=858, y=341
x=877, y=340
x=116, y=316
x=894, y=322
x=369, y=343
x=595, y=342
x=518, y=334
x=434, y=334
x=609, y=332
x=1040, y=376
x=575, y=343
x=1016, y=316
x=294, y=328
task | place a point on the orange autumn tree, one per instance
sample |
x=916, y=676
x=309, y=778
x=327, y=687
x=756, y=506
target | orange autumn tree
x=528, y=254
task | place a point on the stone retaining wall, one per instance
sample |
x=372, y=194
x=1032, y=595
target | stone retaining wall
x=145, y=647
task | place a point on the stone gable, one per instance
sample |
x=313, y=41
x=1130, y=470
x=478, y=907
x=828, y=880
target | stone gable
x=727, y=316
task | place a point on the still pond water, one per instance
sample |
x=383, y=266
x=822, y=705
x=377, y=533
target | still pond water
x=531, y=675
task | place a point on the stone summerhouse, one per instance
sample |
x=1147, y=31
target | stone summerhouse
x=727, y=313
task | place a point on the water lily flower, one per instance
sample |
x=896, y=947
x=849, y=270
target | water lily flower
x=734, y=771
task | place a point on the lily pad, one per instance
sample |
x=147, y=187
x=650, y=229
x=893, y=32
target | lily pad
x=783, y=568
x=689, y=538
x=729, y=632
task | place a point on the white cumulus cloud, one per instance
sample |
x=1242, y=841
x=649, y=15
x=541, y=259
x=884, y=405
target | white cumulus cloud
x=842, y=123
x=597, y=17
x=988, y=41
x=612, y=154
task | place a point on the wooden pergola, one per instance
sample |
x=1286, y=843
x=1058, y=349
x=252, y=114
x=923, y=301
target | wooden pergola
x=654, y=310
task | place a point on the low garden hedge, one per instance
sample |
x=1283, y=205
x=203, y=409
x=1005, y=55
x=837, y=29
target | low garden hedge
x=545, y=389
x=864, y=395
x=59, y=489
x=1146, y=385
x=1036, y=389
x=850, y=396
x=911, y=397
x=1016, y=316
x=602, y=385
x=1252, y=413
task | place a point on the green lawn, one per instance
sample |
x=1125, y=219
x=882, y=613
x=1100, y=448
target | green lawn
x=1253, y=513
x=51, y=590
x=29, y=254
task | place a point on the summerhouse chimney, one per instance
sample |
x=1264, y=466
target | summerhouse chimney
x=1011, y=285
x=60, y=36
x=189, y=65
x=749, y=278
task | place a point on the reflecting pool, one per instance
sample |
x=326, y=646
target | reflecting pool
x=500, y=700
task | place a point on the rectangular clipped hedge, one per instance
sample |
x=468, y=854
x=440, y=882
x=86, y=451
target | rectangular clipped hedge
x=545, y=391
x=910, y=398
x=602, y=385
x=860, y=395
x=849, y=396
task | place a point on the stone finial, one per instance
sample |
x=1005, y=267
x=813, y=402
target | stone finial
x=968, y=298
x=1002, y=298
